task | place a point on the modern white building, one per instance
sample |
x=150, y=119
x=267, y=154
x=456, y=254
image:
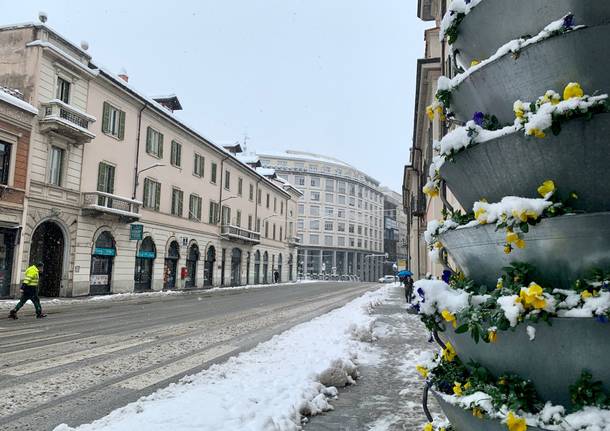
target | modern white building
x=340, y=216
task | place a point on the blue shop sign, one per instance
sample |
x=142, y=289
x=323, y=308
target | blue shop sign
x=146, y=254
x=103, y=251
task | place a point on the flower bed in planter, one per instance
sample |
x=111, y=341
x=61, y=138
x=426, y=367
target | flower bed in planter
x=536, y=68
x=480, y=33
x=514, y=165
x=561, y=248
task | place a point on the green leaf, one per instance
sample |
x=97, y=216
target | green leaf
x=462, y=328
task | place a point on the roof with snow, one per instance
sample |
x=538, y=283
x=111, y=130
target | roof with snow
x=170, y=101
x=7, y=96
x=305, y=155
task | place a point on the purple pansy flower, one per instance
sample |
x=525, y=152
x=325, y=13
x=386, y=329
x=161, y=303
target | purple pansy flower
x=602, y=318
x=446, y=276
x=421, y=294
x=568, y=21
x=478, y=118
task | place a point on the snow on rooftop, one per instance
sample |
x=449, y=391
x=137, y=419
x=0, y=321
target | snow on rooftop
x=266, y=172
x=248, y=158
x=12, y=100
x=303, y=155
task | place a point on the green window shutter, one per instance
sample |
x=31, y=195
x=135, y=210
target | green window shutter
x=157, y=196
x=160, y=146
x=121, y=125
x=105, y=117
x=148, y=139
x=179, y=154
x=100, y=178
x=110, y=183
x=211, y=215
x=145, y=197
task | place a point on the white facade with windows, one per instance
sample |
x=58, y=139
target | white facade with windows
x=340, y=216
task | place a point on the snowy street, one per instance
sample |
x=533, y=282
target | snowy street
x=88, y=359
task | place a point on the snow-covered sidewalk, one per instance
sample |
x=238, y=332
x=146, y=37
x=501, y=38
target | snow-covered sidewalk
x=271, y=387
x=7, y=304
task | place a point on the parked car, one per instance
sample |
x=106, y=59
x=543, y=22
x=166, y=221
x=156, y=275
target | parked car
x=387, y=279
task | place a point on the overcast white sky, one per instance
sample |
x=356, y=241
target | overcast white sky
x=335, y=77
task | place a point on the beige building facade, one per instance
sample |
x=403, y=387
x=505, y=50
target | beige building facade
x=421, y=208
x=124, y=196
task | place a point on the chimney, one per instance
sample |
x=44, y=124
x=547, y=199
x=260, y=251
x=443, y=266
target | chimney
x=123, y=75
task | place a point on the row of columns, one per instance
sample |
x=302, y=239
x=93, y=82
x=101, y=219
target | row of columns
x=367, y=266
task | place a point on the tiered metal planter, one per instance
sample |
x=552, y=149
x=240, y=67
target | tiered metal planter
x=561, y=248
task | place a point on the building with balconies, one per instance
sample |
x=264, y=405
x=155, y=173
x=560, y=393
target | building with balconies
x=395, y=232
x=339, y=217
x=126, y=197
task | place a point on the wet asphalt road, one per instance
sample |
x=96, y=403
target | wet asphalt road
x=86, y=359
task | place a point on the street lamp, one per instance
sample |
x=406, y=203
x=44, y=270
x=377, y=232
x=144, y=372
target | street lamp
x=154, y=165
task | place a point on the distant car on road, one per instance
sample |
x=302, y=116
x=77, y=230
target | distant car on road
x=387, y=279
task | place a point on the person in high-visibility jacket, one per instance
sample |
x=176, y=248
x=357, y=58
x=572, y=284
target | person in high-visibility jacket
x=29, y=291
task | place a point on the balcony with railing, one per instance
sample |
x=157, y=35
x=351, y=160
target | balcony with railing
x=237, y=233
x=294, y=241
x=96, y=204
x=66, y=120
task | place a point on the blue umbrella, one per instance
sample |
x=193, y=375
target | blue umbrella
x=404, y=273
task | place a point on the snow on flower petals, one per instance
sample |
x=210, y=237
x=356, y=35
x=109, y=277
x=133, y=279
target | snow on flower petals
x=515, y=423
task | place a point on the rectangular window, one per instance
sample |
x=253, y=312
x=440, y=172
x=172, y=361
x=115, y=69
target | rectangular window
x=341, y=186
x=195, y=207
x=314, y=211
x=329, y=197
x=259, y=197
x=227, y=180
x=198, y=164
x=330, y=185
x=315, y=182
x=359, y=230
x=341, y=213
x=213, y=175
x=341, y=227
x=266, y=229
x=301, y=209
x=300, y=224
x=240, y=186
x=152, y=194
x=56, y=166
x=351, y=228
x=299, y=180
x=352, y=201
x=105, y=182
x=280, y=233
x=282, y=208
x=258, y=225
x=328, y=225
x=177, y=197
x=113, y=121
x=251, y=192
x=214, y=216
x=274, y=231
x=250, y=222
x=328, y=240
x=268, y=200
x=238, y=218
x=315, y=196
x=226, y=215
x=341, y=199
x=274, y=205
x=176, y=157
x=154, y=143
x=5, y=161
x=329, y=211
x=314, y=239
x=314, y=224
x=341, y=241
x=63, y=90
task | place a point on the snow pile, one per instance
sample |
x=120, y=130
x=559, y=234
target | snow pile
x=512, y=308
x=436, y=295
x=595, y=305
x=468, y=135
x=510, y=207
x=436, y=228
x=268, y=388
x=7, y=97
x=455, y=9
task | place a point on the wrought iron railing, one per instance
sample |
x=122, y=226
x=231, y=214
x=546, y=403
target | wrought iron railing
x=240, y=233
x=106, y=202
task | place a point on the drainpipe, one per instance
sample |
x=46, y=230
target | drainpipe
x=135, y=177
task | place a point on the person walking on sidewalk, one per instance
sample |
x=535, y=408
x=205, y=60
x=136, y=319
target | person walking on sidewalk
x=29, y=290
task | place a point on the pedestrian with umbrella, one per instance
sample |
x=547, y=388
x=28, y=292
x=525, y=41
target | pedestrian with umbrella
x=407, y=280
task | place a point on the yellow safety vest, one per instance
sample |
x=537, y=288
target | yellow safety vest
x=31, y=276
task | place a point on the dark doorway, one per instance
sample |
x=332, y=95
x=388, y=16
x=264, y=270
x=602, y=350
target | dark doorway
x=171, y=265
x=257, y=267
x=222, y=266
x=48, y=247
x=208, y=267
x=145, y=259
x=102, y=258
x=7, y=247
x=265, y=268
x=290, y=278
x=191, y=266
x=279, y=268
x=248, y=268
x=236, y=267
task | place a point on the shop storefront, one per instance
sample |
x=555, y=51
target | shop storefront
x=208, y=267
x=8, y=240
x=102, y=259
x=191, y=266
x=171, y=265
x=145, y=259
x=236, y=267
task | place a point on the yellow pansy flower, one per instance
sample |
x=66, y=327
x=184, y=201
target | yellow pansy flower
x=479, y=214
x=467, y=385
x=430, y=112
x=521, y=215
x=449, y=353
x=439, y=112
x=431, y=191
x=507, y=249
x=449, y=317
x=500, y=284
x=573, y=89
x=511, y=237
x=457, y=389
x=438, y=245
x=585, y=294
x=520, y=243
x=422, y=370
x=532, y=296
x=428, y=427
x=477, y=412
x=493, y=336
x=519, y=109
x=515, y=423
x=546, y=187
x=474, y=63
x=534, y=131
